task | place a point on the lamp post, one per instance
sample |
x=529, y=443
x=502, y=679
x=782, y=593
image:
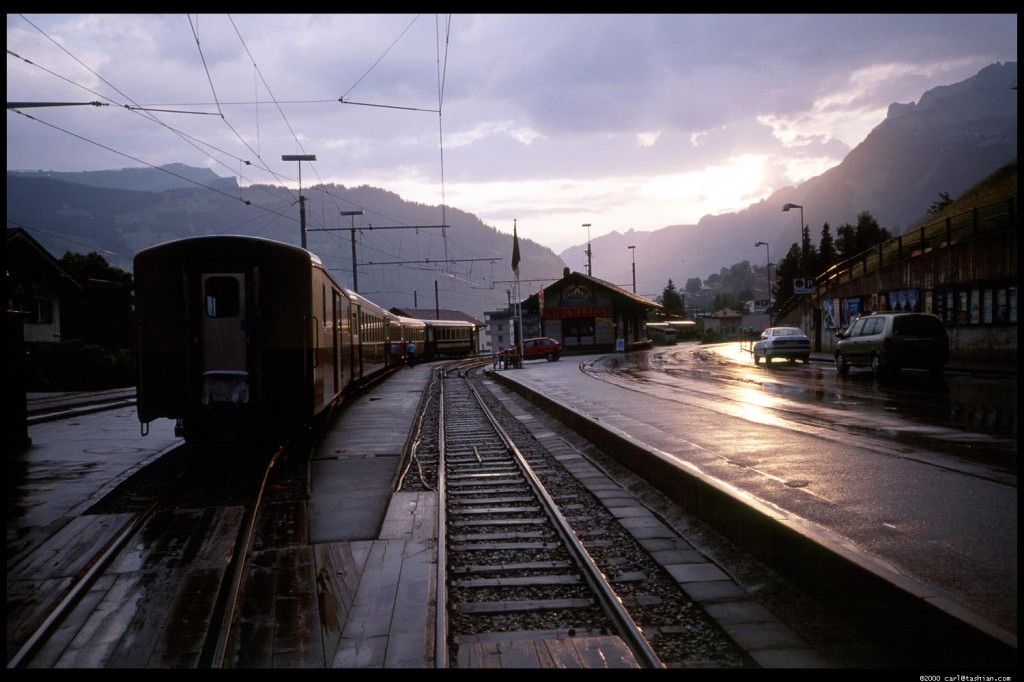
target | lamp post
x=768, y=257
x=589, y=252
x=355, y=271
x=302, y=200
x=632, y=250
x=801, y=242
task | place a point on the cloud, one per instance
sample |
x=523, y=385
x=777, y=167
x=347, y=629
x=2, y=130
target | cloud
x=621, y=120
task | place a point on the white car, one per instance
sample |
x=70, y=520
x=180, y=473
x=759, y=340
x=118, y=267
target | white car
x=782, y=342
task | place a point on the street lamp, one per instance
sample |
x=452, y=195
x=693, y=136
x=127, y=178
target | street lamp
x=632, y=250
x=355, y=271
x=768, y=256
x=789, y=206
x=302, y=200
x=589, y=252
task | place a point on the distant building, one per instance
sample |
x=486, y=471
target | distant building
x=497, y=330
x=728, y=323
x=589, y=315
x=501, y=325
x=36, y=285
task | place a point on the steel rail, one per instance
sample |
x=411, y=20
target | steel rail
x=607, y=598
x=96, y=567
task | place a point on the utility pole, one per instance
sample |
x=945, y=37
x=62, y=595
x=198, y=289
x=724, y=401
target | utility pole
x=355, y=276
x=355, y=271
x=632, y=250
x=302, y=200
x=589, y=252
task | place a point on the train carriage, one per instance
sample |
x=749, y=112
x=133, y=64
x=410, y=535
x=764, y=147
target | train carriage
x=450, y=339
x=661, y=333
x=241, y=336
x=413, y=332
x=235, y=333
x=686, y=330
x=371, y=345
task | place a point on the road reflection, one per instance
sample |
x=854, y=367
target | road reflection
x=972, y=417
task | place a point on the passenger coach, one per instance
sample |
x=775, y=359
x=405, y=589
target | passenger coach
x=450, y=339
x=240, y=334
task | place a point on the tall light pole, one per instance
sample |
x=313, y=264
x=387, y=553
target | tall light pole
x=302, y=200
x=801, y=242
x=355, y=270
x=768, y=256
x=589, y=252
x=632, y=250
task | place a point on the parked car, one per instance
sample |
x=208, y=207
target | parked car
x=537, y=348
x=782, y=342
x=888, y=342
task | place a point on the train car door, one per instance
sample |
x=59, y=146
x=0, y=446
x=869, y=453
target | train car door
x=356, y=336
x=225, y=368
x=335, y=340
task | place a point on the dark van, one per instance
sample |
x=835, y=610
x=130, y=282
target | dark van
x=888, y=342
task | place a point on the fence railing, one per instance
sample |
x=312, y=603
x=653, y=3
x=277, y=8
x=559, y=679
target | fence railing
x=979, y=221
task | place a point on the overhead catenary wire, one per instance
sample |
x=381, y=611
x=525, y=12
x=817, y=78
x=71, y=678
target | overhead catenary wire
x=217, y=154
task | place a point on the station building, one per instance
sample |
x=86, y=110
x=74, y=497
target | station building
x=589, y=315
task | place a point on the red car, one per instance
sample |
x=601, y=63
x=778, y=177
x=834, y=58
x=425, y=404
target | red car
x=537, y=348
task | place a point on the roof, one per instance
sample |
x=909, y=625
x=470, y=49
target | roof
x=436, y=314
x=725, y=313
x=614, y=288
x=23, y=253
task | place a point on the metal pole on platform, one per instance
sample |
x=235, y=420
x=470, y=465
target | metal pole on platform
x=302, y=200
x=355, y=268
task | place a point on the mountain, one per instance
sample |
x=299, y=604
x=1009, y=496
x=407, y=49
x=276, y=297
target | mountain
x=171, y=176
x=401, y=254
x=953, y=137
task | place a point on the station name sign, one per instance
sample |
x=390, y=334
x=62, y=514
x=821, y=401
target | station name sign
x=578, y=311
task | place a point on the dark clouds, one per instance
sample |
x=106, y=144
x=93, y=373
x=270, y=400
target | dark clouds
x=558, y=115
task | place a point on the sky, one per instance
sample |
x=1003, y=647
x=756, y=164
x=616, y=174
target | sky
x=546, y=122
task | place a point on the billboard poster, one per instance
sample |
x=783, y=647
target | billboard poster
x=905, y=300
x=830, y=313
x=851, y=311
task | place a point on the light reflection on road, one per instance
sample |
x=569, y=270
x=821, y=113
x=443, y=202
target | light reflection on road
x=903, y=471
x=911, y=411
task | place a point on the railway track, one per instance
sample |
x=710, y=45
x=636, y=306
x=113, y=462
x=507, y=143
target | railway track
x=150, y=579
x=52, y=407
x=533, y=565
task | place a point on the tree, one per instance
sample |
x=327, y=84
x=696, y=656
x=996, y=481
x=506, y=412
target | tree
x=693, y=286
x=787, y=270
x=725, y=300
x=846, y=241
x=101, y=312
x=853, y=240
x=944, y=201
x=827, y=256
x=671, y=300
x=869, y=232
x=808, y=254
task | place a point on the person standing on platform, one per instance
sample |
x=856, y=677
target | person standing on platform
x=410, y=353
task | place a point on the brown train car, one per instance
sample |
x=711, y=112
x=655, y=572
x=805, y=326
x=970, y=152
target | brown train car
x=238, y=335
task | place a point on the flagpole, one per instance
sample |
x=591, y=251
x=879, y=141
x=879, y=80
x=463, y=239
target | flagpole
x=519, y=303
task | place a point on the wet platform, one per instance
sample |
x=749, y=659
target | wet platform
x=369, y=554
x=648, y=435
x=380, y=549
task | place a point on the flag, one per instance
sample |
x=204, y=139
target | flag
x=515, y=249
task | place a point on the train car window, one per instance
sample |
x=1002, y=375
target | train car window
x=222, y=299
